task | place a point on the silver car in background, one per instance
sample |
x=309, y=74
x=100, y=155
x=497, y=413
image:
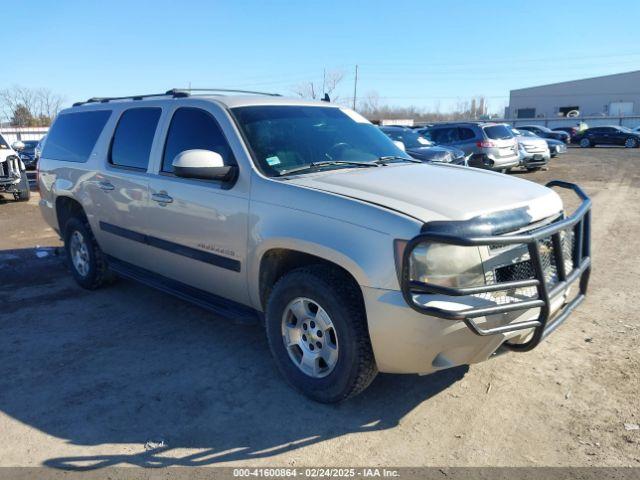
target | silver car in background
x=534, y=151
x=491, y=146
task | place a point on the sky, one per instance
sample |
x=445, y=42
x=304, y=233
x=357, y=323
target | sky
x=431, y=54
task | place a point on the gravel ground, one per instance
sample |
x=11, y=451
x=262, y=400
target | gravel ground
x=128, y=376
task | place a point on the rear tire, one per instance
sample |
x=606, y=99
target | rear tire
x=327, y=296
x=86, y=260
x=24, y=192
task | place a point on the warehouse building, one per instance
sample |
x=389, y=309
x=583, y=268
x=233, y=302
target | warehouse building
x=611, y=95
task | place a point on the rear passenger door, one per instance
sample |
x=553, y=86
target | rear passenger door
x=198, y=228
x=120, y=191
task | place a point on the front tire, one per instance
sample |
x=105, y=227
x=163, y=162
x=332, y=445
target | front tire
x=317, y=331
x=86, y=260
x=631, y=143
x=585, y=143
x=24, y=192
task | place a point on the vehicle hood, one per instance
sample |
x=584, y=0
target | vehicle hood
x=432, y=153
x=552, y=141
x=433, y=191
x=542, y=142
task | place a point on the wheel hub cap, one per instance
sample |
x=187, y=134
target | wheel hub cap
x=79, y=253
x=310, y=337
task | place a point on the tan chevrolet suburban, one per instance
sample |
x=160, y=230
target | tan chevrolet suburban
x=303, y=215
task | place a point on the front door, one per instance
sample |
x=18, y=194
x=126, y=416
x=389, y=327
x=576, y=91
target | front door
x=198, y=228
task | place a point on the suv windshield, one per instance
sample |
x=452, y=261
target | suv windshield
x=498, y=132
x=3, y=143
x=410, y=138
x=284, y=138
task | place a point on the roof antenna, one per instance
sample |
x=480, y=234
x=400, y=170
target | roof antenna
x=326, y=98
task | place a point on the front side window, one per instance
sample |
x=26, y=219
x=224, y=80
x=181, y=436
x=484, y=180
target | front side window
x=133, y=138
x=445, y=135
x=74, y=135
x=194, y=129
x=288, y=137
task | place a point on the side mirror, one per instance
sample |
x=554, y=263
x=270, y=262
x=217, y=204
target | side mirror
x=203, y=164
x=17, y=146
x=400, y=145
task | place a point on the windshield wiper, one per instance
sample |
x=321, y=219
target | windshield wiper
x=390, y=158
x=317, y=165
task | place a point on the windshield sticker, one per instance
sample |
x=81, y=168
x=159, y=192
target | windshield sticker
x=271, y=161
x=356, y=117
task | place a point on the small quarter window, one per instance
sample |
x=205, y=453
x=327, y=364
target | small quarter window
x=133, y=138
x=194, y=129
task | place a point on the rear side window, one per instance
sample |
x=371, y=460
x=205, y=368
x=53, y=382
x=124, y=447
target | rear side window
x=193, y=128
x=498, y=132
x=74, y=135
x=132, y=140
x=466, y=133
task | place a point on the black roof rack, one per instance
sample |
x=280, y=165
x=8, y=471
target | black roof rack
x=187, y=91
x=174, y=92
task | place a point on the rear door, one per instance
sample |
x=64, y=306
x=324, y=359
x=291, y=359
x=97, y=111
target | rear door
x=199, y=228
x=120, y=191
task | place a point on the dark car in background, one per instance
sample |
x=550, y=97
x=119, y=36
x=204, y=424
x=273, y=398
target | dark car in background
x=28, y=154
x=609, y=135
x=556, y=147
x=422, y=148
x=545, y=132
x=572, y=131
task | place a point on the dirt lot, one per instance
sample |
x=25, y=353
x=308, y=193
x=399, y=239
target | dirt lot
x=88, y=378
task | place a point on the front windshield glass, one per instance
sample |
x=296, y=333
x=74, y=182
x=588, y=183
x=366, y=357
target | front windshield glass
x=410, y=138
x=625, y=129
x=3, y=143
x=289, y=137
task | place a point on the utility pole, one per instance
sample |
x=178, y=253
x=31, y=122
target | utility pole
x=324, y=81
x=355, y=88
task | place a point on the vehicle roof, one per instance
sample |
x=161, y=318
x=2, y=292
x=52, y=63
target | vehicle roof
x=478, y=124
x=228, y=100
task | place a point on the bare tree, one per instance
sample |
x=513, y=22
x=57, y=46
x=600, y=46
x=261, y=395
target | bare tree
x=370, y=103
x=314, y=90
x=27, y=107
x=472, y=109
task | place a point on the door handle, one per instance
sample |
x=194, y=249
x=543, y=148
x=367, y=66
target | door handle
x=161, y=197
x=106, y=186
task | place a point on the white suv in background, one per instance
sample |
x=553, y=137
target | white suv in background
x=13, y=174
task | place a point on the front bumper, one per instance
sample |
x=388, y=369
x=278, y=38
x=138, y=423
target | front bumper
x=558, y=149
x=540, y=159
x=451, y=326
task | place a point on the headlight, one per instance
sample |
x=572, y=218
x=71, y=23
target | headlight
x=446, y=265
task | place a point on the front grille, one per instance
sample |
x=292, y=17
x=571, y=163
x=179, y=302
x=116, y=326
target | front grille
x=523, y=268
x=533, y=149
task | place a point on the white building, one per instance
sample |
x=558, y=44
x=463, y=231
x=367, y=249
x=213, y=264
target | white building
x=611, y=95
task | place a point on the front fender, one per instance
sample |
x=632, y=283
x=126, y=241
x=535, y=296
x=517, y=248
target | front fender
x=365, y=253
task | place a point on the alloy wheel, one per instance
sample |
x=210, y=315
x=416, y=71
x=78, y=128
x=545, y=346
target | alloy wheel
x=310, y=337
x=79, y=253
